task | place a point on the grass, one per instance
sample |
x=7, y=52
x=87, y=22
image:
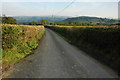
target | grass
x=101, y=43
x=18, y=41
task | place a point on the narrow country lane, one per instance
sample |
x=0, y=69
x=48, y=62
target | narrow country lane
x=56, y=58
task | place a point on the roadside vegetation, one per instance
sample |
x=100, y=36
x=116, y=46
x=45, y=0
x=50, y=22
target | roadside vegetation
x=100, y=42
x=18, y=41
x=96, y=38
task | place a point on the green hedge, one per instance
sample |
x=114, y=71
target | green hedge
x=101, y=43
x=19, y=41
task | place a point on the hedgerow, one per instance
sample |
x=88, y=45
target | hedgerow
x=19, y=41
x=103, y=43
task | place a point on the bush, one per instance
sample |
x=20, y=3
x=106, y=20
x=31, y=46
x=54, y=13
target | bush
x=100, y=42
x=18, y=41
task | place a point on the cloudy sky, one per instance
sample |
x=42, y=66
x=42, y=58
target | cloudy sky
x=59, y=0
x=103, y=8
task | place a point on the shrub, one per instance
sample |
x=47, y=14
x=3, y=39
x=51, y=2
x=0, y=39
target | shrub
x=100, y=42
x=18, y=41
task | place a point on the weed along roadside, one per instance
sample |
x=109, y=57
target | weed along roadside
x=102, y=43
x=18, y=41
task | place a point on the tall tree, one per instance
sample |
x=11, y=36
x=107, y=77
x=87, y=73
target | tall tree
x=44, y=22
x=35, y=22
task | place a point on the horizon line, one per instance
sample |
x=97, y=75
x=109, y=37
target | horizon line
x=61, y=16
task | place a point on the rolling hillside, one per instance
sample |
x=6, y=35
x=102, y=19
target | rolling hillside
x=22, y=19
x=92, y=20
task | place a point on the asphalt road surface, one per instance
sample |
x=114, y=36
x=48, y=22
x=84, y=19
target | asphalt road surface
x=56, y=58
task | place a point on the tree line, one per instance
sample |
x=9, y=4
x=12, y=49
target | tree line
x=10, y=20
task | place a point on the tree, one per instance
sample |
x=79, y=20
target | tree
x=8, y=20
x=44, y=22
x=35, y=22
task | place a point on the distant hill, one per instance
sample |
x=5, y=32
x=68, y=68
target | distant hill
x=67, y=20
x=91, y=20
x=22, y=19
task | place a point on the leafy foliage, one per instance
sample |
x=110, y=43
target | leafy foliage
x=100, y=42
x=32, y=44
x=44, y=22
x=8, y=20
x=19, y=40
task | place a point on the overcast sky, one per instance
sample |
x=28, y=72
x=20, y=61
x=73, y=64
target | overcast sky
x=59, y=0
x=103, y=8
